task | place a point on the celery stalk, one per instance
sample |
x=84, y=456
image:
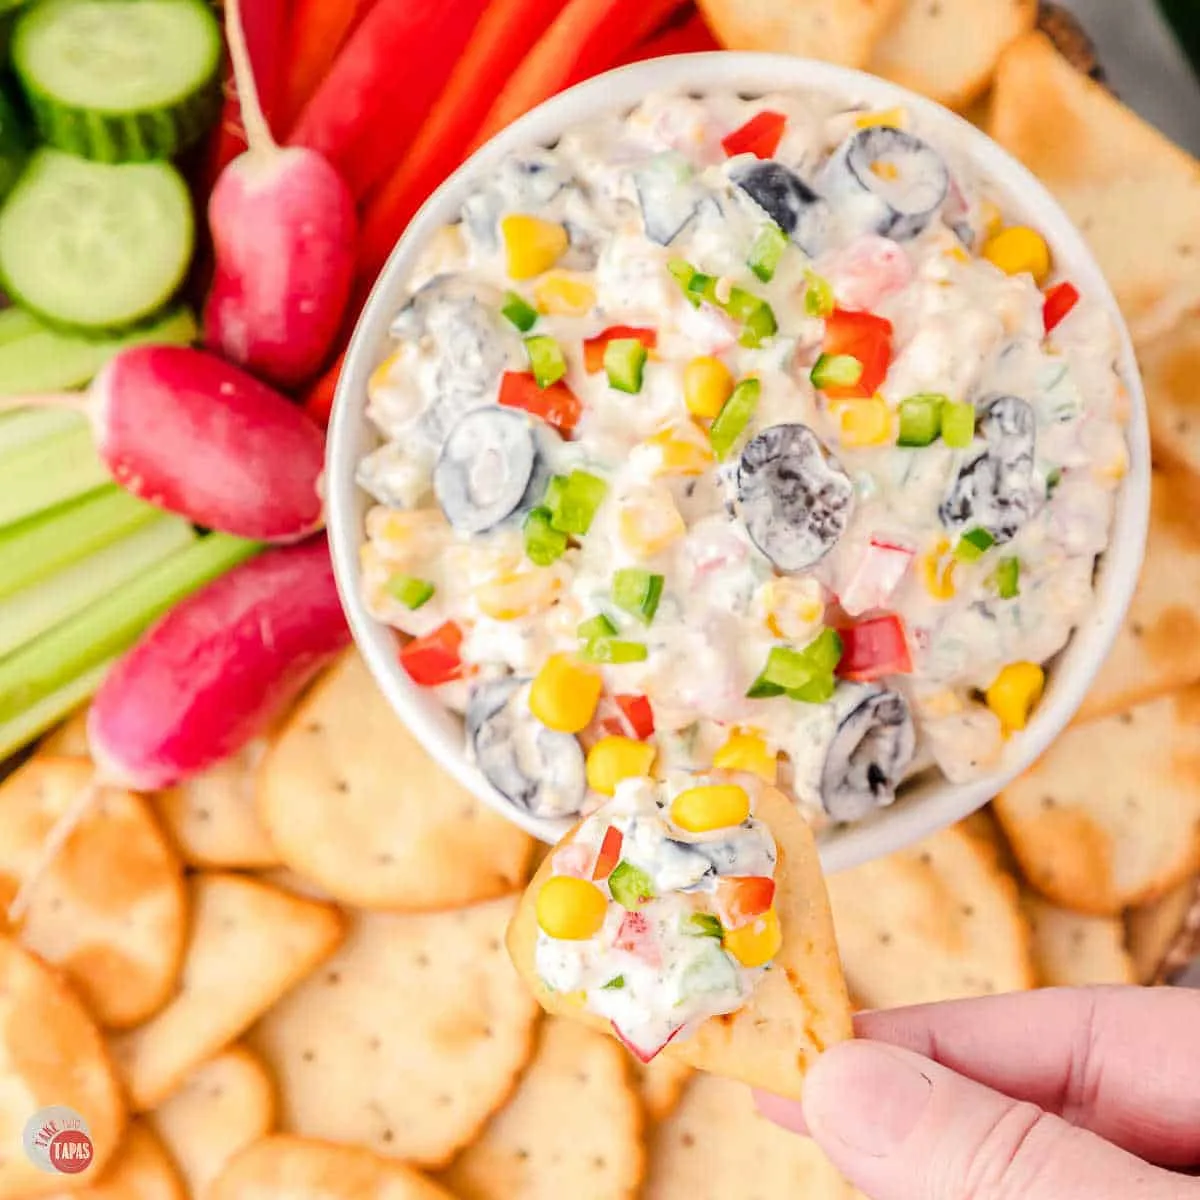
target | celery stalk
x=50, y=471
x=38, y=609
x=50, y=710
x=26, y=426
x=50, y=541
x=111, y=625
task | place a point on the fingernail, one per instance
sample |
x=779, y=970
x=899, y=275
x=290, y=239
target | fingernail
x=867, y=1096
x=778, y=1109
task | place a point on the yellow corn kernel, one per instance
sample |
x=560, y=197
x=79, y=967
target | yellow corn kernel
x=937, y=571
x=894, y=118
x=1014, y=693
x=1018, y=249
x=381, y=376
x=681, y=450
x=406, y=537
x=517, y=594
x=615, y=758
x=531, y=244
x=958, y=254
x=707, y=384
x=745, y=751
x=564, y=295
x=865, y=422
x=570, y=909
x=564, y=694
x=993, y=218
x=792, y=607
x=648, y=522
x=754, y=945
x=712, y=806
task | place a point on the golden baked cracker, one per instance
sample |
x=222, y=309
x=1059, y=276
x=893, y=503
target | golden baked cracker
x=985, y=829
x=1158, y=647
x=798, y=1008
x=1134, y=194
x=1075, y=950
x=249, y=944
x=408, y=1039
x=1171, y=373
x=1110, y=815
x=222, y=1107
x=68, y=740
x=834, y=30
x=352, y=801
x=936, y=921
x=50, y=1054
x=715, y=1146
x=1151, y=929
x=110, y=910
x=949, y=50
x=572, y=1128
x=213, y=818
x=139, y=1170
x=292, y=1168
x=660, y=1084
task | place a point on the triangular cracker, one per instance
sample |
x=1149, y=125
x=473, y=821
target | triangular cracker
x=1134, y=194
x=799, y=1007
x=1171, y=372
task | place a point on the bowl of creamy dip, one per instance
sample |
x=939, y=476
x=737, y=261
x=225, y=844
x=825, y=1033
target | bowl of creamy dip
x=739, y=412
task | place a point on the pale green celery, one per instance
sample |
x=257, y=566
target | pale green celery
x=25, y=426
x=50, y=710
x=38, y=609
x=47, y=360
x=51, y=471
x=112, y=624
x=47, y=543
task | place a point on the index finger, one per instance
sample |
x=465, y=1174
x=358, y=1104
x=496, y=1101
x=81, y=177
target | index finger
x=1118, y=1061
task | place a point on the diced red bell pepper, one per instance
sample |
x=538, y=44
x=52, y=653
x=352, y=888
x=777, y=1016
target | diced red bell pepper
x=643, y=1054
x=741, y=898
x=1060, y=299
x=594, y=347
x=434, y=658
x=610, y=853
x=759, y=136
x=557, y=405
x=639, y=714
x=874, y=648
x=637, y=938
x=865, y=337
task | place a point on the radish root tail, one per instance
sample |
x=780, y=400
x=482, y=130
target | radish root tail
x=60, y=833
x=258, y=132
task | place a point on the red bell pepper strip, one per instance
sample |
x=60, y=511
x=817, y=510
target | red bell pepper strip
x=865, y=337
x=557, y=405
x=639, y=714
x=610, y=853
x=434, y=658
x=263, y=23
x=759, y=136
x=642, y=1053
x=506, y=31
x=637, y=938
x=317, y=31
x=1060, y=299
x=874, y=648
x=588, y=37
x=382, y=84
x=594, y=347
x=741, y=898
x=692, y=37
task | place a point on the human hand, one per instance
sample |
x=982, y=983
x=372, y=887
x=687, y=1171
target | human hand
x=1053, y=1095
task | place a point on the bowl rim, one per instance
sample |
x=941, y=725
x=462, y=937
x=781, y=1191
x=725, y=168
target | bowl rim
x=927, y=805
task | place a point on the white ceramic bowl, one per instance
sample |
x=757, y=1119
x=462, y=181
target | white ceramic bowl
x=926, y=804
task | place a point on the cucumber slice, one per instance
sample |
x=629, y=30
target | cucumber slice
x=36, y=358
x=120, y=80
x=95, y=247
x=14, y=143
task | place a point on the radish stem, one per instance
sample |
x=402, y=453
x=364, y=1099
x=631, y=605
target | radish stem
x=258, y=132
x=73, y=400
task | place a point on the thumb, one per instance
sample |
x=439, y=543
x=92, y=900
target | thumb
x=901, y=1127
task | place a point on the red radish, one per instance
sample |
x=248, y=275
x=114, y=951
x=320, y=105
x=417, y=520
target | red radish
x=284, y=231
x=192, y=434
x=203, y=681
